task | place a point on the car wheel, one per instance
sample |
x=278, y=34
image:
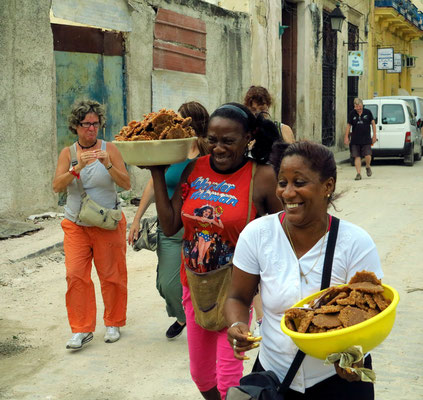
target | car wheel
x=409, y=158
x=418, y=155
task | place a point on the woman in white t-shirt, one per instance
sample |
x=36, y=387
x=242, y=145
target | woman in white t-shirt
x=284, y=252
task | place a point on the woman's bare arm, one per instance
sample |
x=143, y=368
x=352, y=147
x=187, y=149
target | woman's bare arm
x=264, y=194
x=169, y=210
x=237, y=310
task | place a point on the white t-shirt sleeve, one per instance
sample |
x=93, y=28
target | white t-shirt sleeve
x=246, y=256
x=362, y=253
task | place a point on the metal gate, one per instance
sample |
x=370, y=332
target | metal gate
x=328, y=82
x=89, y=65
x=353, y=39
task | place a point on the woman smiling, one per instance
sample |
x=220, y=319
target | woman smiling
x=285, y=252
x=223, y=183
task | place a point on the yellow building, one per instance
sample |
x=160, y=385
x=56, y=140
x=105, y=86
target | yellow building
x=394, y=25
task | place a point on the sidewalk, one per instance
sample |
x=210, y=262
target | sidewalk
x=342, y=157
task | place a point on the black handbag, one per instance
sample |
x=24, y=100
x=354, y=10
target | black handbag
x=147, y=235
x=265, y=385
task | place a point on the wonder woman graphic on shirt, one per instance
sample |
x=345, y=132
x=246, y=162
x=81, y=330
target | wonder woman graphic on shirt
x=202, y=251
x=214, y=212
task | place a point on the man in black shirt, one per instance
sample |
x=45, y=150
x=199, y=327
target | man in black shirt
x=361, y=142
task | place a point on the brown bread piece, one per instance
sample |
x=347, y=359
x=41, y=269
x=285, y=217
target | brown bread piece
x=350, y=316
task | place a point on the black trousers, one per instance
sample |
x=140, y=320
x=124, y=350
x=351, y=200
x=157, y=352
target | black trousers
x=333, y=388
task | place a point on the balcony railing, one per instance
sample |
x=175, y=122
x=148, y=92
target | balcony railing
x=405, y=8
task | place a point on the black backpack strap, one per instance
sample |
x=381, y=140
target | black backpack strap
x=326, y=275
x=290, y=375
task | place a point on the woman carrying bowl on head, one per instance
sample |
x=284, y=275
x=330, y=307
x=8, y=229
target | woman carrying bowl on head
x=222, y=181
x=100, y=167
x=285, y=253
x=168, y=282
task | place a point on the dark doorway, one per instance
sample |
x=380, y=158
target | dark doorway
x=352, y=80
x=289, y=65
x=328, y=82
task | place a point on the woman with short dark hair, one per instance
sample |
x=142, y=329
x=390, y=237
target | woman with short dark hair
x=285, y=252
x=225, y=181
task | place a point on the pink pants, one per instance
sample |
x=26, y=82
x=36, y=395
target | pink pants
x=212, y=360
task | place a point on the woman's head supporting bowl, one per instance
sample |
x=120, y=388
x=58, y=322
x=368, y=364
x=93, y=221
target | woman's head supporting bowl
x=200, y=121
x=81, y=109
x=262, y=130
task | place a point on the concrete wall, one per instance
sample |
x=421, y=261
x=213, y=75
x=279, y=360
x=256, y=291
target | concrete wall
x=266, y=46
x=27, y=108
x=417, y=72
x=266, y=49
x=309, y=70
x=227, y=65
x=28, y=91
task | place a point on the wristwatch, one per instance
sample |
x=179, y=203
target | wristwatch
x=73, y=172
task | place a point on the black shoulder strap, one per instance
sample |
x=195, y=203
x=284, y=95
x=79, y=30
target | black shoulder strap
x=326, y=275
x=330, y=250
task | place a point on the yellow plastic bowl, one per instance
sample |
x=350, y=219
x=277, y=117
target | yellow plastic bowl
x=154, y=152
x=367, y=334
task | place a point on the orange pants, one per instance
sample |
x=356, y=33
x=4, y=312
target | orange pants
x=108, y=249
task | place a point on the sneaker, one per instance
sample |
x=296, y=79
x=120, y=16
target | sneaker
x=368, y=171
x=112, y=334
x=79, y=339
x=357, y=177
x=175, y=330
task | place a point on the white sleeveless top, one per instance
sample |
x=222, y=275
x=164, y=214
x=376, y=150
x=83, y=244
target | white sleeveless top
x=98, y=184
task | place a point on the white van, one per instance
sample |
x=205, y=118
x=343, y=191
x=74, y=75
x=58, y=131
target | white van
x=416, y=104
x=396, y=130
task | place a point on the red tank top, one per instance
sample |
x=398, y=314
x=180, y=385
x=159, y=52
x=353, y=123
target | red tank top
x=214, y=213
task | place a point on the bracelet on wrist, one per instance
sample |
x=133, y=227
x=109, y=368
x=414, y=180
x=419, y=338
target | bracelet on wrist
x=74, y=173
x=236, y=324
x=109, y=166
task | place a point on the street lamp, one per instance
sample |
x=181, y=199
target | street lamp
x=336, y=19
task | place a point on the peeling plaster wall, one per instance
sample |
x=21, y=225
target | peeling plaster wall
x=27, y=108
x=228, y=58
x=266, y=50
x=309, y=70
x=28, y=152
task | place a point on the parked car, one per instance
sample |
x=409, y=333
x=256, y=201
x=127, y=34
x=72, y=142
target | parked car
x=416, y=104
x=396, y=130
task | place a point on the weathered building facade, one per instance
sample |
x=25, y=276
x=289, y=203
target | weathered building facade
x=397, y=25
x=132, y=61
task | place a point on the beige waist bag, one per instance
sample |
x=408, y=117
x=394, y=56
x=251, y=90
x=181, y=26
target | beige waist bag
x=91, y=213
x=209, y=290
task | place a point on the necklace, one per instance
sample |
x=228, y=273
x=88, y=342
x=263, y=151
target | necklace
x=302, y=274
x=87, y=147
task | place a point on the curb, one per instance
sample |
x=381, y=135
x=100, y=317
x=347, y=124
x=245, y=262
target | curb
x=47, y=250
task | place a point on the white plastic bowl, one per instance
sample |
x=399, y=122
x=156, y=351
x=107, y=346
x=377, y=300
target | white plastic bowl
x=154, y=152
